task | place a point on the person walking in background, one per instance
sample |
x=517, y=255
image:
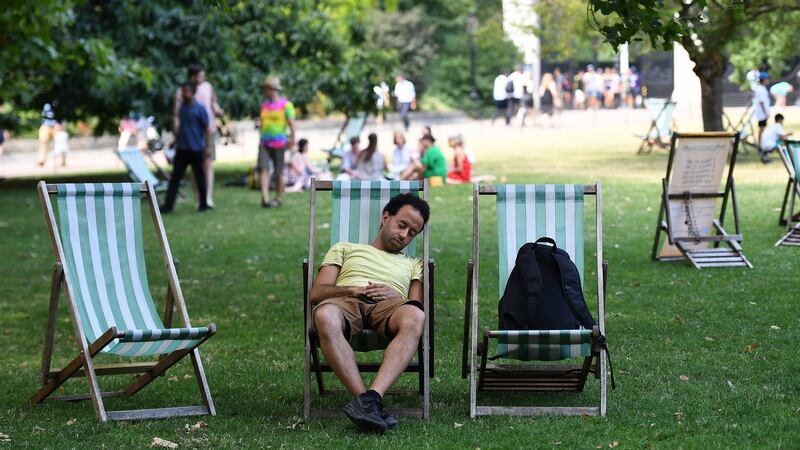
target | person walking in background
x=406, y=96
x=191, y=147
x=127, y=129
x=371, y=163
x=401, y=155
x=761, y=103
x=462, y=166
x=381, y=101
x=579, y=95
x=634, y=96
x=500, y=97
x=548, y=96
x=207, y=98
x=277, y=133
x=564, y=88
x=61, y=142
x=47, y=131
x=516, y=82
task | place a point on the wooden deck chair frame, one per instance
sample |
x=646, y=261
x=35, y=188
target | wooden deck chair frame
x=731, y=256
x=648, y=141
x=525, y=377
x=84, y=363
x=345, y=133
x=423, y=365
x=791, y=196
x=744, y=126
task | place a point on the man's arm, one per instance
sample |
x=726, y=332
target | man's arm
x=290, y=124
x=324, y=286
x=176, y=105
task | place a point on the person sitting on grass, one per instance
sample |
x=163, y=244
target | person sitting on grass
x=771, y=136
x=462, y=166
x=430, y=164
x=372, y=286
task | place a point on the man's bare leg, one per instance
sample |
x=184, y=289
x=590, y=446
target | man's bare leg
x=264, y=176
x=278, y=188
x=208, y=167
x=406, y=325
x=338, y=353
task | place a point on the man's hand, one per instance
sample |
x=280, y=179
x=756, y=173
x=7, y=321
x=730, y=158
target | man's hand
x=380, y=292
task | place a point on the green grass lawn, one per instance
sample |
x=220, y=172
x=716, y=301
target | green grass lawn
x=732, y=332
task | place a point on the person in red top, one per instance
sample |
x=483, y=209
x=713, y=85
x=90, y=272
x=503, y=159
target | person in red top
x=462, y=167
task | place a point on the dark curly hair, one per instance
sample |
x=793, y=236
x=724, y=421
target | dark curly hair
x=400, y=200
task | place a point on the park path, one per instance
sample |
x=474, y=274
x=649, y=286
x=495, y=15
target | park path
x=89, y=155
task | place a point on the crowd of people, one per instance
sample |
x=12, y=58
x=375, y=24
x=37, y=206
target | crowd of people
x=768, y=135
x=513, y=93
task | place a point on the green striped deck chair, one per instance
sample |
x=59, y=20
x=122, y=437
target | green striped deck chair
x=526, y=213
x=661, y=124
x=138, y=169
x=696, y=192
x=356, y=208
x=98, y=242
x=789, y=152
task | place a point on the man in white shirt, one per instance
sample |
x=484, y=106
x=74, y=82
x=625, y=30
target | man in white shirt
x=518, y=89
x=771, y=136
x=500, y=97
x=406, y=98
x=761, y=102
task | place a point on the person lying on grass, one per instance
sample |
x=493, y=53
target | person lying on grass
x=377, y=287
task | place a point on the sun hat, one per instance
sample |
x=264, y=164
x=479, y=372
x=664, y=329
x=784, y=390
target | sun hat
x=273, y=82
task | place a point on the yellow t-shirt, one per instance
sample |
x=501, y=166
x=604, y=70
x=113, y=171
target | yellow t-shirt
x=361, y=263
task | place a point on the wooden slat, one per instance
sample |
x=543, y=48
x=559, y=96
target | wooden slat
x=79, y=397
x=327, y=185
x=739, y=264
x=53, y=189
x=706, y=134
x=111, y=369
x=537, y=410
x=589, y=189
x=159, y=413
x=728, y=237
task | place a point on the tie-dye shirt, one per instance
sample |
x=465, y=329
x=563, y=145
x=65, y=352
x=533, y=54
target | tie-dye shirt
x=274, y=122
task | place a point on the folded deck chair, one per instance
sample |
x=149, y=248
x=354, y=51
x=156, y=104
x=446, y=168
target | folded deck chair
x=688, y=213
x=356, y=211
x=97, y=239
x=661, y=125
x=790, y=155
x=743, y=126
x=352, y=127
x=524, y=214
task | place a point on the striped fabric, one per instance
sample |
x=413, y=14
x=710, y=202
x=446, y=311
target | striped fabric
x=544, y=345
x=661, y=110
x=357, y=207
x=528, y=212
x=137, y=167
x=793, y=149
x=100, y=228
x=356, y=212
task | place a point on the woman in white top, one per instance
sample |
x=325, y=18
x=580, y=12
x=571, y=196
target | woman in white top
x=371, y=163
x=401, y=155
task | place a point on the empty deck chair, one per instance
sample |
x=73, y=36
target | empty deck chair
x=661, y=125
x=97, y=240
x=352, y=127
x=688, y=214
x=790, y=155
x=524, y=214
x=356, y=211
x=743, y=126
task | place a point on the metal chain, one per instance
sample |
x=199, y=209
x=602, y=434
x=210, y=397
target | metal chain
x=690, y=223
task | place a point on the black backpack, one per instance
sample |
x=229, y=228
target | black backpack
x=544, y=293
x=510, y=86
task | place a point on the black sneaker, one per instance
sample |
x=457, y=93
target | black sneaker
x=390, y=420
x=366, y=413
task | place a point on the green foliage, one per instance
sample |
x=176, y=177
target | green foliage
x=769, y=40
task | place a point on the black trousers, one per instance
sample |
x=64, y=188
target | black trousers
x=182, y=159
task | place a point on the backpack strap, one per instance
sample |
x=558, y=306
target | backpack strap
x=604, y=346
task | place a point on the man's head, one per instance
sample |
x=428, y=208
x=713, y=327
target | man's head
x=302, y=145
x=194, y=72
x=188, y=89
x=355, y=144
x=763, y=78
x=779, y=118
x=399, y=78
x=272, y=86
x=403, y=218
x=426, y=141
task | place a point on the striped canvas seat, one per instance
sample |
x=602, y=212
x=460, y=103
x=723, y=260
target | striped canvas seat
x=100, y=227
x=138, y=169
x=790, y=155
x=545, y=345
x=524, y=214
x=660, y=110
x=355, y=217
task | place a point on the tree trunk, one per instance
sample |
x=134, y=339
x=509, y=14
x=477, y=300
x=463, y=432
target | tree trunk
x=710, y=68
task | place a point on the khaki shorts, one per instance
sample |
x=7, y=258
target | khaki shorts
x=359, y=314
x=276, y=155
